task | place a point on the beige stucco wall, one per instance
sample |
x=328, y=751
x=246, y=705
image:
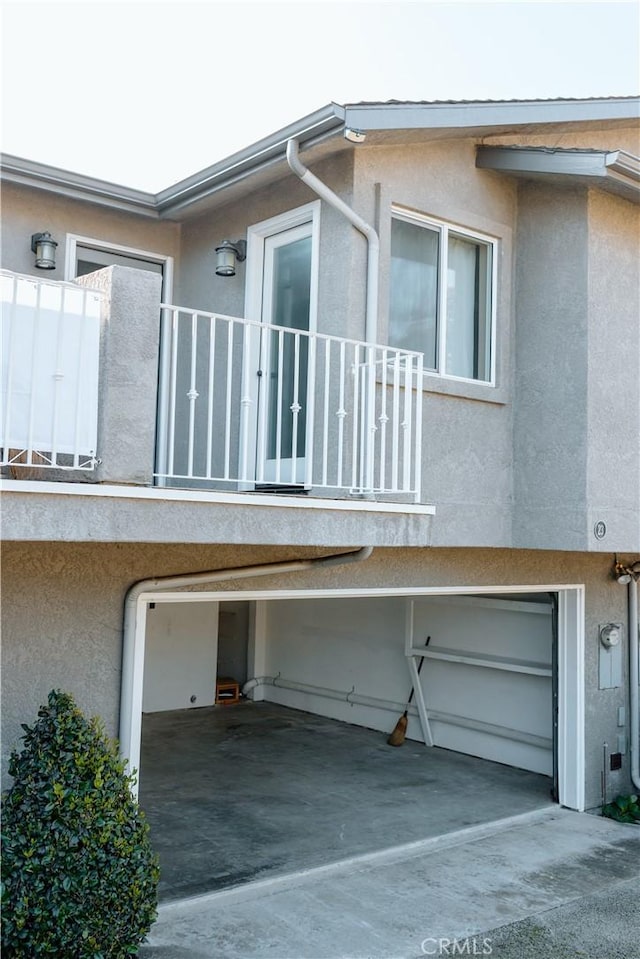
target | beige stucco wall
x=613, y=451
x=197, y=285
x=577, y=409
x=62, y=614
x=26, y=211
x=550, y=428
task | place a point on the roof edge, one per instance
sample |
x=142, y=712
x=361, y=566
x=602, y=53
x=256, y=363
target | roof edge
x=316, y=127
x=487, y=113
x=14, y=169
x=308, y=130
x=617, y=170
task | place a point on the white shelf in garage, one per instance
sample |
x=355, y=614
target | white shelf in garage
x=483, y=659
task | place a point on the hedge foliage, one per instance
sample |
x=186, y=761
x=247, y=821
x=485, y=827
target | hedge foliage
x=79, y=874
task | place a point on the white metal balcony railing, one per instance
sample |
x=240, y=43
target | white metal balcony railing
x=250, y=407
x=50, y=363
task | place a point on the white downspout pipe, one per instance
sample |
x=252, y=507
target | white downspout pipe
x=634, y=679
x=371, y=314
x=373, y=241
x=135, y=614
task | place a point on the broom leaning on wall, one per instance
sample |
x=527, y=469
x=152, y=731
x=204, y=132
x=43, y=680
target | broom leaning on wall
x=398, y=735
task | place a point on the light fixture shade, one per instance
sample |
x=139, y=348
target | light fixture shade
x=225, y=259
x=44, y=247
x=227, y=254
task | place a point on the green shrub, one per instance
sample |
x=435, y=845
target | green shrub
x=623, y=809
x=79, y=875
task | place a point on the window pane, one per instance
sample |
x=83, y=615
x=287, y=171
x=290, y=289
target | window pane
x=291, y=304
x=468, y=333
x=414, y=289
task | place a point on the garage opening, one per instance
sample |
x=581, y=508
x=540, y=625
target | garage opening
x=298, y=772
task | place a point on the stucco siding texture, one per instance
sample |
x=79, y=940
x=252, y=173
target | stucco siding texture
x=62, y=614
x=613, y=458
x=198, y=287
x=26, y=211
x=109, y=519
x=550, y=424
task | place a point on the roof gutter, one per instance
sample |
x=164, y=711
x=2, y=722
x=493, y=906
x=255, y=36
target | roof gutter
x=616, y=171
x=263, y=154
x=78, y=187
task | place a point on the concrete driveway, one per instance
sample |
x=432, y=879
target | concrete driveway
x=549, y=884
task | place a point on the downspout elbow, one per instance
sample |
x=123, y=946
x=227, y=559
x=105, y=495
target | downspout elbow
x=373, y=240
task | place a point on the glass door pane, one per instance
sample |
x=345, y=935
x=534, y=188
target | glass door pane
x=287, y=297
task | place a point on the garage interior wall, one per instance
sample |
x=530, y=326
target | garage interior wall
x=498, y=707
x=180, y=657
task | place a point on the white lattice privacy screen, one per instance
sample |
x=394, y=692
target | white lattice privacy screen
x=50, y=364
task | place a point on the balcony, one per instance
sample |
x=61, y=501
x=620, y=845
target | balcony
x=241, y=407
x=249, y=407
x=111, y=399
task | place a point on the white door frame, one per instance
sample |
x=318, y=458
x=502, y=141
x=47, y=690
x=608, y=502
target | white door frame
x=74, y=240
x=257, y=235
x=571, y=664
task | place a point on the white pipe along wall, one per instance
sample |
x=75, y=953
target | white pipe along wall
x=135, y=612
x=373, y=241
x=373, y=260
x=634, y=680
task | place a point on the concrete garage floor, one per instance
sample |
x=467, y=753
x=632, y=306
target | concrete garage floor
x=239, y=793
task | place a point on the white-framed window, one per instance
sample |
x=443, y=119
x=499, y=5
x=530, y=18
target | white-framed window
x=86, y=255
x=442, y=292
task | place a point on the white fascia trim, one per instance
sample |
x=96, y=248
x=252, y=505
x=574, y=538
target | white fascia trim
x=77, y=186
x=618, y=167
x=167, y=494
x=473, y=114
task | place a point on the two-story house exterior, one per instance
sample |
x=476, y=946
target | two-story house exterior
x=372, y=379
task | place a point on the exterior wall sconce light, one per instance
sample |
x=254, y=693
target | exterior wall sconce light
x=227, y=254
x=44, y=247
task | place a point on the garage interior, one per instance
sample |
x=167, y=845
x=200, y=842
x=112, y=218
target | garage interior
x=298, y=773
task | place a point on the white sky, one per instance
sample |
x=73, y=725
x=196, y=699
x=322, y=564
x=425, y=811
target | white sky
x=146, y=93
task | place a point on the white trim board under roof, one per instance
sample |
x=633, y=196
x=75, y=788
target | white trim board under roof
x=382, y=121
x=456, y=114
x=615, y=171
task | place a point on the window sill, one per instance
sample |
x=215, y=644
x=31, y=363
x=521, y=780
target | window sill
x=480, y=392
